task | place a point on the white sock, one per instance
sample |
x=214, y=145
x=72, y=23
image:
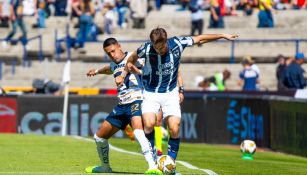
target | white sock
x=103, y=151
x=145, y=146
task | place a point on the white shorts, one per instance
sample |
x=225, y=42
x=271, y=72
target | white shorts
x=169, y=103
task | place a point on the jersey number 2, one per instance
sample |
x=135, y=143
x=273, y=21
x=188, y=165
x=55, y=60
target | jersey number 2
x=135, y=107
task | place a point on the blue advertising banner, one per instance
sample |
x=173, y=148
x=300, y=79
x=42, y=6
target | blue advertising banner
x=231, y=120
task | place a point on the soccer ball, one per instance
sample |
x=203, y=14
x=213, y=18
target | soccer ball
x=166, y=164
x=248, y=147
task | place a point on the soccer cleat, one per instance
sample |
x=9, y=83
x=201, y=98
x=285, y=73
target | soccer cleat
x=98, y=169
x=154, y=171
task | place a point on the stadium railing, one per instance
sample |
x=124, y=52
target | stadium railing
x=25, y=61
x=232, y=46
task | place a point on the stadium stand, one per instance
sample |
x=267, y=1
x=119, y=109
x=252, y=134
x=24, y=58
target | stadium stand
x=289, y=24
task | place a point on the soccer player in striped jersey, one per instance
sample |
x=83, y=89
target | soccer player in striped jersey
x=162, y=60
x=158, y=135
x=127, y=111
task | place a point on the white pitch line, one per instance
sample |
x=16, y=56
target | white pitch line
x=183, y=163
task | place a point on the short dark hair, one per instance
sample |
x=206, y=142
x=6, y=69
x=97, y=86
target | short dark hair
x=109, y=41
x=158, y=35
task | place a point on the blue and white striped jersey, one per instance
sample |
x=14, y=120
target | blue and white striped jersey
x=160, y=71
x=132, y=87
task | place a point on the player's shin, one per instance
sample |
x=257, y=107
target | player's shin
x=103, y=151
x=151, y=139
x=145, y=146
x=173, y=147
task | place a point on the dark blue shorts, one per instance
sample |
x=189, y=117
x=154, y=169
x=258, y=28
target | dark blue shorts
x=121, y=115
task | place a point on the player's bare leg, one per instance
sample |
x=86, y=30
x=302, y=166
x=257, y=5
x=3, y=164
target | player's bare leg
x=101, y=137
x=139, y=135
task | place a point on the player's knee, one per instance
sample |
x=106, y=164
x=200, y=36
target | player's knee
x=174, y=127
x=149, y=123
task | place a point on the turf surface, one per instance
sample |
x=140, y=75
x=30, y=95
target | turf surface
x=33, y=154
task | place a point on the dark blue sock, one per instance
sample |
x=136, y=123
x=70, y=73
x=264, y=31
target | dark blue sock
x=151, y=138
x=173, y=147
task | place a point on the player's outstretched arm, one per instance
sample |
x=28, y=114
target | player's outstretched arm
x=181, y=87
x=119, y=80
x=105, y=70
x=205, y=38
x=132, y=68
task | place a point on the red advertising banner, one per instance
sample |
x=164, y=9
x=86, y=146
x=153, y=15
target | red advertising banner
x=8, y=116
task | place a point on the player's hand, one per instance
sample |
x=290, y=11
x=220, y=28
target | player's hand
x=119, y=80
x=132, y=68
x=91, y=73
x=230, y=36
x=181, y=97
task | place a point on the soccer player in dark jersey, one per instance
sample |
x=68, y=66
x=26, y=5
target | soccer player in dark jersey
x=162, y=60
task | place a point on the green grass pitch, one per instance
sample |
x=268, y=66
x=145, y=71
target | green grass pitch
x=33, y=154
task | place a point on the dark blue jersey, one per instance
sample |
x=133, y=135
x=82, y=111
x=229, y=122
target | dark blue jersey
x=160, y=71
x=250, y=77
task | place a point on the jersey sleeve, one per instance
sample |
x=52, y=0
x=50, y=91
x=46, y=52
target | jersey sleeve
x=140, y=63
x=141, y=51
x=111, y=66
x=186, y=41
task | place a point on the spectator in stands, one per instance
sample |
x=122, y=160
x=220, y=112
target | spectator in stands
x=86, y=12
x=60, y=7
x=75, y=6
x=265, y=15
x=16, y=17
x=122, y=8
x=184, y=5
x=230, y=7
x=4, y=13
x=294, y=73
x=40, y=13
x=299, y=4
x=108, y=16
x=197, y=16
x=197, y=80
x=217, y=10
x=208, y=84
x=280, y=4
x=139, y=13
x=252, y=63
x=281, y=61
x=248, y=77
x=220, y=79
x=46, y=86
x=246, y=6
x=158, y=4
x=253, y=66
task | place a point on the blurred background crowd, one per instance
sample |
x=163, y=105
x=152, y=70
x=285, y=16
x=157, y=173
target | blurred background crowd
x=93, y=20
